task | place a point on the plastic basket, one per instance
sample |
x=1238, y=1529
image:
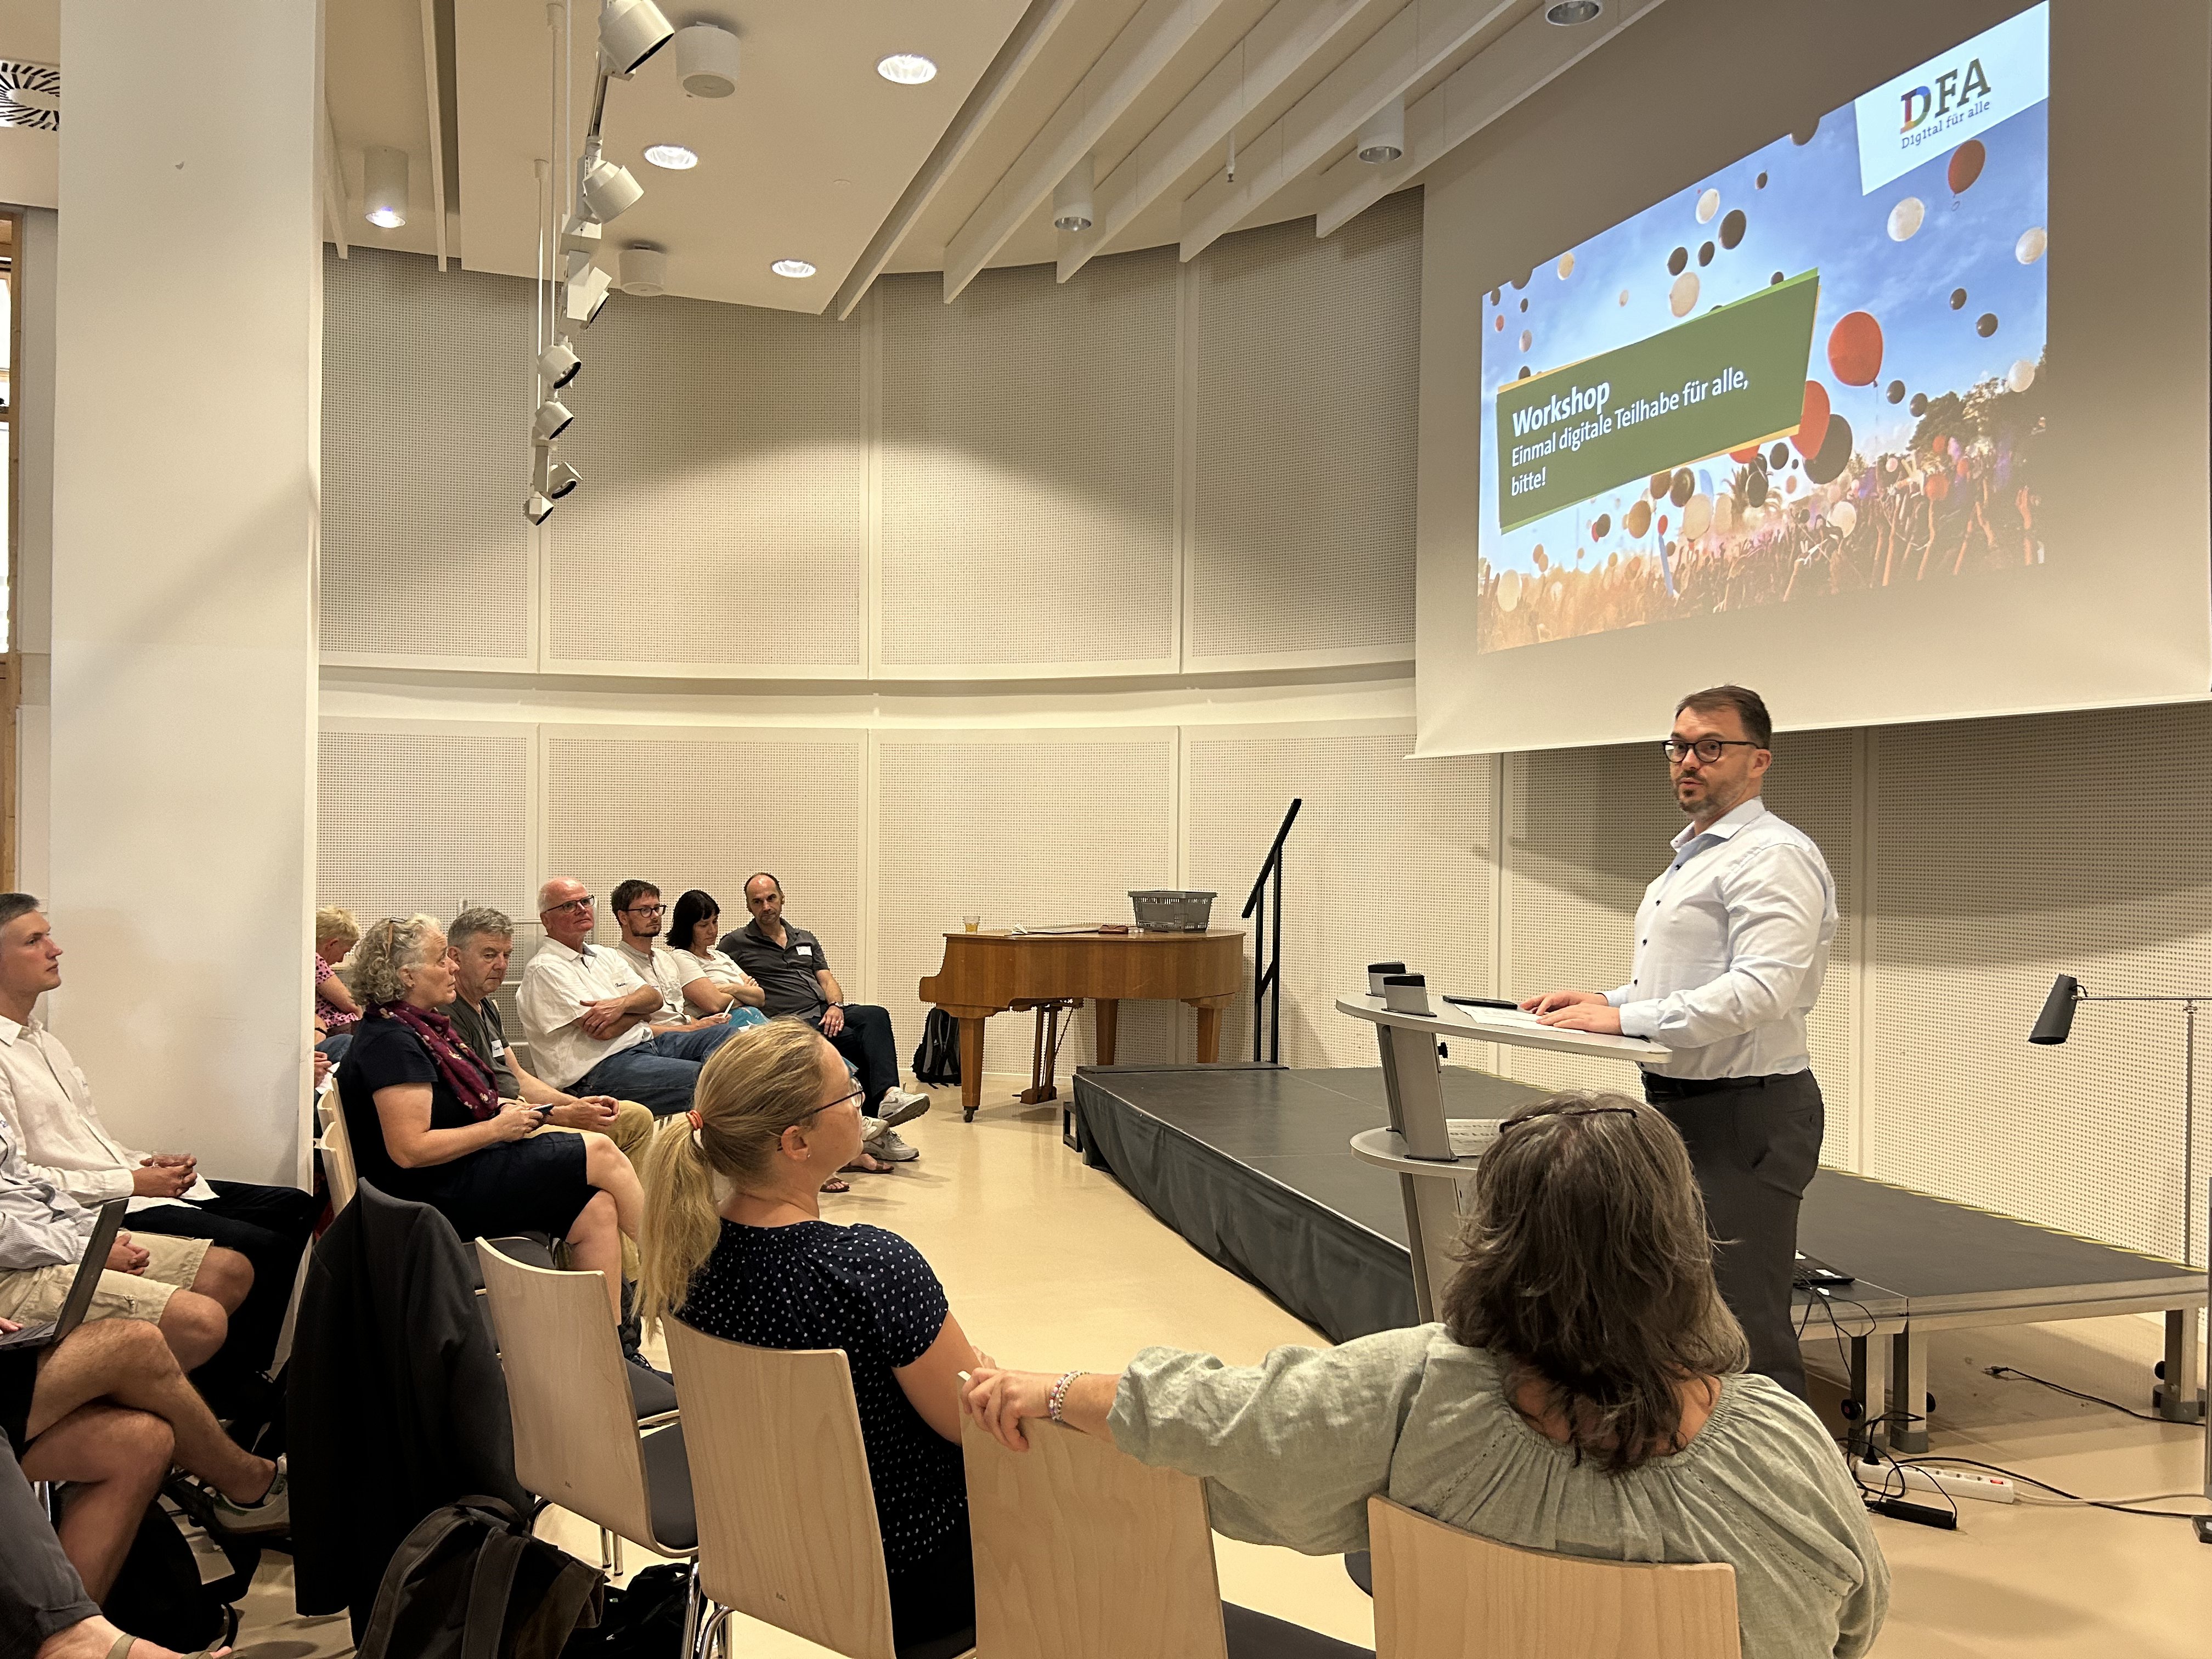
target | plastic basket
x=1171, y=909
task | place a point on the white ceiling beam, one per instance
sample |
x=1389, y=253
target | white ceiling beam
x=1287, y=37
x=1145, y=45
x=334, y=182
x=1530, y=56
x=437, y=124
x=1418, y=40
x=1012, y=60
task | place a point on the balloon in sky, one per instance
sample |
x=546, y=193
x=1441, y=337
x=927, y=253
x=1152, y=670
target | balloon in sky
x=2029, y=248
x=1919, y=404
x=1682, y=298
x=1509, y=590
x=1661, y=483
x=1637, y=520
x=1745, y=456
x=1704, y=482
x=1697, y=516
x=1566, y=267
x=1812, y=425
x=1724, y=512
x=1958, y=298
x=1705, y=253
x=1526, y=339
x=1895, y=391
x=1733, y=225
x=1834, y=454
x=1499, y=322
x=1855, y=348
x=1967, y=163
x=1754, y=489
x=1678, y=262
x=1708, y=204
x=1623, y=296
x=1682, y=489
x=1602, y=526
x=1905, y=218
x=2022, y=375
x=1844, y=517
x=1539, y=559
x=1986, y=324
x=1663, y=523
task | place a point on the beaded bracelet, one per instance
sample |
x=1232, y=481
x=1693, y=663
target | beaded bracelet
x=1058, y=1398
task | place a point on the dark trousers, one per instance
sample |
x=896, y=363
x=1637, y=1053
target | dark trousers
x=41, y=1595
x=1755, y=1144
x=269, y=1226
x=867, y=1041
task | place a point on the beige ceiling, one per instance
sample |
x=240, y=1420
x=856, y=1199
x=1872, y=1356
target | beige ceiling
x=817, y=157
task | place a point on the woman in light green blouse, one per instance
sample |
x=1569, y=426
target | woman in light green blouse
x=1584, y=1393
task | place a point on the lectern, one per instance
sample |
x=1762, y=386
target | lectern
x=1430, y=1155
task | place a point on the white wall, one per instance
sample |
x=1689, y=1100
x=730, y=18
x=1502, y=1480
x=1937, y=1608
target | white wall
x=186, y=426
x=32, y=602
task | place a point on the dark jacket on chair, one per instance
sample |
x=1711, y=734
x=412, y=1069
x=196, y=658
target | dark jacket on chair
x=396, y=1403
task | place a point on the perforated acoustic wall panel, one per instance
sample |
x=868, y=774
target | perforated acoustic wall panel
x=723, y=521
x=425, y=451
x=706, y=811
x=1389, y=858
x=2006, y=852
x=1045, y=828
x=1815, y=784
x=1306, y=378
x=1029, y=456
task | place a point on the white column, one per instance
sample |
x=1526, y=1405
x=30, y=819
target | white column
x=186, y=428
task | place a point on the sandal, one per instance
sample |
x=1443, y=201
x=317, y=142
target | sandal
x=122, y=1644
x=835, y=1184
x=868, y=1163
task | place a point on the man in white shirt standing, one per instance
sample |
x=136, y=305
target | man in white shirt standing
x=589, y=1018
x=1731, y=947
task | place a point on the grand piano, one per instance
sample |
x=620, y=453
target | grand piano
x=994, y=971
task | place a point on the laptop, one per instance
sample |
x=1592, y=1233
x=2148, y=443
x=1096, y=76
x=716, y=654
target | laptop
x=88, y=1271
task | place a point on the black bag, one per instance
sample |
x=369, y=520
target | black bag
x=471, y=1583
x=645, y=1621
x=937, y=1056
x=158, y=1594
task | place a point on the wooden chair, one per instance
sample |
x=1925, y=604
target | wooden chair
x=1084, y=1552
x=787, y=1530
x=578, y=1440
x=1444, y=1594
x=336, y=1148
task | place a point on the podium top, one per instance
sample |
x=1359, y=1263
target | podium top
x=1510, y=1026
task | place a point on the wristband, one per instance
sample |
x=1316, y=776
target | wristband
x=1058, y=1397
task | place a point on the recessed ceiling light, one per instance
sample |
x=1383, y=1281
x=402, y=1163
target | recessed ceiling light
x=674, y=157
x=907, y=69
x=791, y=268
x=1568, y=13
x=385, y=218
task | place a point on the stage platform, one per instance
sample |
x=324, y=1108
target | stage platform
x=1251, y=1164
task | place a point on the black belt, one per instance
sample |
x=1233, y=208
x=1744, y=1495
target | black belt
x=1657, y=1088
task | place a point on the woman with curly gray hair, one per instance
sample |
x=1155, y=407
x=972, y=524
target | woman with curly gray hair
x=427, y=1124
x=1584, y=1393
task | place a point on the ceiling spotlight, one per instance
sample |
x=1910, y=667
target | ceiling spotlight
x=587, y=295
x=1568, y=13
x=644, y=270
x=559, y=362
x=537, y=509
x=793, y=268
x=631, y=31
x=906, y=69
x=553, y=418
x=606, y=190
x=706, y=61
x=383, y=186
x=674, y=157
x=561, y=481
x=1070, y=198
x=1384, y=138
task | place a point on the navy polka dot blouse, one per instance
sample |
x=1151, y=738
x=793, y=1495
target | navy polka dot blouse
x=814, y=1284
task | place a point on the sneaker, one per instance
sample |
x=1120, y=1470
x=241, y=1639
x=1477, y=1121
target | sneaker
x=872, y=1129
x=892, y=1150
x=899, y=1106
x=271, y=1513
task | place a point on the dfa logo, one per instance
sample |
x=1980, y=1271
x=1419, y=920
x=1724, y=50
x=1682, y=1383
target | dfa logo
x=1953, y=88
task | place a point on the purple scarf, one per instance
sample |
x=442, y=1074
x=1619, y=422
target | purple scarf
x=464, y=1074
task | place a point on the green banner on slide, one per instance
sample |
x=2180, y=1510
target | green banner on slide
x=1733, y=377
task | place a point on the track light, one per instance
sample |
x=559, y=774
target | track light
x=644, y=270
x=706, y=60
x=383, y=186
x=553, y=418
x=587, y=295
x=536, y=508
x=555, y=480
x=559, y=362
x=631, y=31
x=1382, y=140
x=606, y=192
x=1070, y=198
x=1568, y=13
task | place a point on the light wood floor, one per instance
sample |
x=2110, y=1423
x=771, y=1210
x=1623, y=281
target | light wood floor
x=1051, y=1266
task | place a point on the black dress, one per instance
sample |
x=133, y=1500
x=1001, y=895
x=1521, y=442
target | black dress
x=536, y=1185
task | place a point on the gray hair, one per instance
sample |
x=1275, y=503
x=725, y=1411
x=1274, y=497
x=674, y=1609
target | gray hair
x=386, y=950
x=478, y=919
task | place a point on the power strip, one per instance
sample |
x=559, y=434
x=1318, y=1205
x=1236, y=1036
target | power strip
x=1959, y=1483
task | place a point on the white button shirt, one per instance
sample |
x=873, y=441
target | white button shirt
x=1731, y=948
x=47, y=1104
x=555, y=985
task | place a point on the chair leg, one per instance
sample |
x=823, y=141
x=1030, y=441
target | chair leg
x=691, y=1613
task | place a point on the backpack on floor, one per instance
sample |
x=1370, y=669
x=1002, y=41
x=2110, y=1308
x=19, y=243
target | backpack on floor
x=471, y=1583
x=644, y=1621
x=937, y=1056
x=158, y=1594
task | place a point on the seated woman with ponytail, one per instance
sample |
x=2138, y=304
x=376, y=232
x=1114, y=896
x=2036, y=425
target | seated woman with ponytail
x=426, y=1123
x=774, y=1114
x=1584, y=1393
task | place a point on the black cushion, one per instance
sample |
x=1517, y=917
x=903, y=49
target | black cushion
x=1261, y=1636
x=650, y=1392
x=941, y=1647
x=668, y=1482
x=531, y=1249
x=1359, y=1567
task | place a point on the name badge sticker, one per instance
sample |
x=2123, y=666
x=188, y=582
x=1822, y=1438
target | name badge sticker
x=806, y=950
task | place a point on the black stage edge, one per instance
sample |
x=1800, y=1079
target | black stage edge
x=1251, y=1164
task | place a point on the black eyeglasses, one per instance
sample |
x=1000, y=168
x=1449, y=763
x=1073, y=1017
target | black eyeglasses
x=643, y=909
x=856, y=1095
x=1707, y=750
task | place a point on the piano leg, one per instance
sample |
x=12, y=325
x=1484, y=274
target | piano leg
x=1105, y=1016
x=1209, y=1035
x=972, y=1068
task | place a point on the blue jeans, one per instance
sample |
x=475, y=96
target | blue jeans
x=660, y=1073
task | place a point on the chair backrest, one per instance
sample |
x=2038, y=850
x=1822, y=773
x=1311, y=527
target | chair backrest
x=1084, y=1552
x=338, y=1170
x=568, y=1389
x=1444, y=1594
x=780, y=1481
